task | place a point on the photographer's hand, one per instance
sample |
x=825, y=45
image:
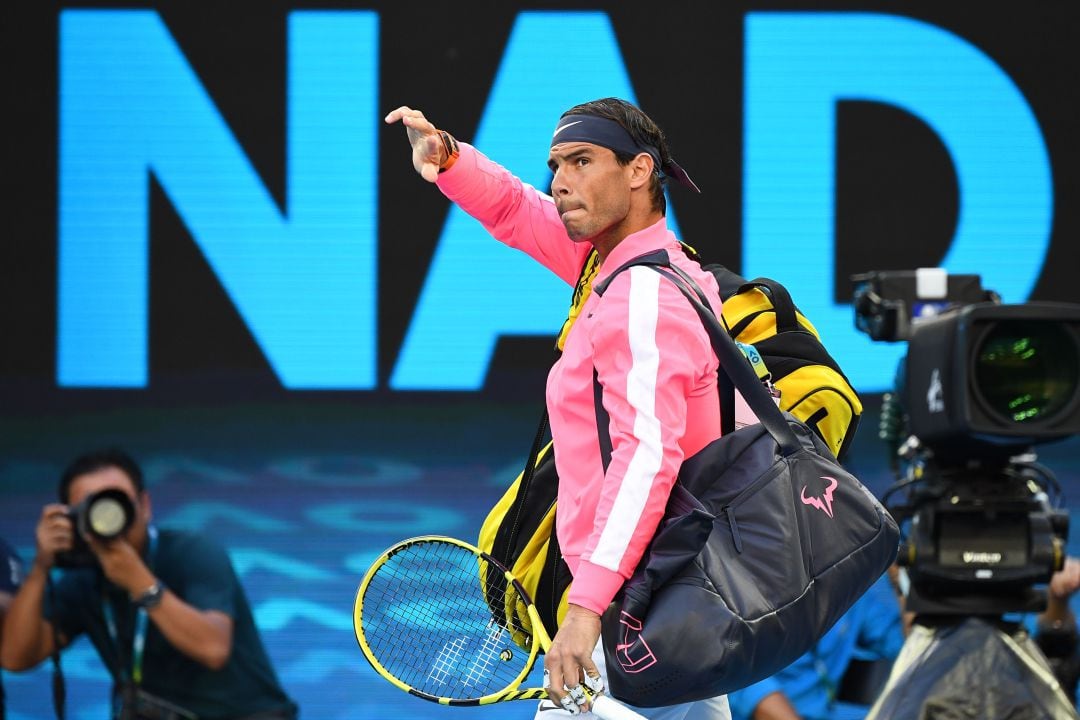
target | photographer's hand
x=203, y=635
x=28, y=637
x=54, y=534
x=122, y=565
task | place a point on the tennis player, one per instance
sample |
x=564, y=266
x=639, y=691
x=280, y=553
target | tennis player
x=642, y=339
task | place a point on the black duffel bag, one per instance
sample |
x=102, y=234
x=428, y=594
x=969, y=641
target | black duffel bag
x=766, y=542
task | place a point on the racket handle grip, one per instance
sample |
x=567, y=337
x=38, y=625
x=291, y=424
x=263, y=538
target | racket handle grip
x=605, y=708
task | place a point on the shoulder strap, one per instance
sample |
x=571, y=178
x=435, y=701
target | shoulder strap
x=656, y=257
x=733, y=363
x=725, y=388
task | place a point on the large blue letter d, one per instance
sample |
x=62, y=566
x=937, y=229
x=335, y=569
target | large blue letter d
x=798, y=67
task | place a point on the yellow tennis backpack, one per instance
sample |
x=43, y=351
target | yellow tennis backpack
x=520, y=530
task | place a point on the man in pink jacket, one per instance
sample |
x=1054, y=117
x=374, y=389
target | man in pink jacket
x=641, y=340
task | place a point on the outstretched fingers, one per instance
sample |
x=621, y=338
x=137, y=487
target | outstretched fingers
x=400, y=113
x=423, y=136
x=414, y=120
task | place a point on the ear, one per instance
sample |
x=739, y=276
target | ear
x=145, y=508
x=641, y=170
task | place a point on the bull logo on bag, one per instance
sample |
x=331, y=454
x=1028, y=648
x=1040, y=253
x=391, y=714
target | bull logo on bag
x=823, y=503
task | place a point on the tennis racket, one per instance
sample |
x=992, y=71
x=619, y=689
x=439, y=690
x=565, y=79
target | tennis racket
x=437, y=617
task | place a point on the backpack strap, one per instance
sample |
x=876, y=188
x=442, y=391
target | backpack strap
x=730, y=282
x=603, y=421
x=504, y=544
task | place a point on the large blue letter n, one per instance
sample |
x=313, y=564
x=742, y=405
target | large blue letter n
x=303, y=280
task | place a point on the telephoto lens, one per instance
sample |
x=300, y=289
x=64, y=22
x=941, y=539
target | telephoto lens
x=104, y=515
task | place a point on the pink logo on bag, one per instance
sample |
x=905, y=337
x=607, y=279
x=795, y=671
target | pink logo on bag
x=823, y=503
x=632, y=637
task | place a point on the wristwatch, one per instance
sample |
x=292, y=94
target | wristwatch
x=450, y=146
x=151, y=597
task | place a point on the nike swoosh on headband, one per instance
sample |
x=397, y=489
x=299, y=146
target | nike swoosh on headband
x=608, y=133
x=560, y=129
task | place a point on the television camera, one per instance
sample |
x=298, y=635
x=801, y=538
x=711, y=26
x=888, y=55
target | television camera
x=981, y=384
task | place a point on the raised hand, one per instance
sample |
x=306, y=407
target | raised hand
x=122, y=565
x=429, y=153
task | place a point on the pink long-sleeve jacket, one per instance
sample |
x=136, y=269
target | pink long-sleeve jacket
x=652, y=358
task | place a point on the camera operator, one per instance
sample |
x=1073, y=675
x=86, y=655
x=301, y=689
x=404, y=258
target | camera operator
x=164, y=610
x=1056, y=633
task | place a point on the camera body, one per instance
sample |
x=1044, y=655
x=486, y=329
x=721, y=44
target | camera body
x=981, y=384
x=889, y=305
x=104, y=515
x=979, y=543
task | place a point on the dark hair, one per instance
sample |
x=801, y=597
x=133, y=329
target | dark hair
x=641, y=128
x=100, y=460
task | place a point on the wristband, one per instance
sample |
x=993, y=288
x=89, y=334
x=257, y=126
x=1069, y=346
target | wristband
x=151, y=597
x=452, y=152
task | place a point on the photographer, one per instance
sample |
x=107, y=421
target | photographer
x=164, y=610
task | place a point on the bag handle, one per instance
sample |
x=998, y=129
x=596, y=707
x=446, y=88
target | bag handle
x=786, y=320
x=732, y=361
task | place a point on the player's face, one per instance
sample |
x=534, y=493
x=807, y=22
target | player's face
x=590, y=188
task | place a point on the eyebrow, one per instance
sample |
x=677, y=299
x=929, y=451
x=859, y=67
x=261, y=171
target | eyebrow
x=569, y=156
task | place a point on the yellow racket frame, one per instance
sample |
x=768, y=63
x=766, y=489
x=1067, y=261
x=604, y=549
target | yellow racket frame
x=540, y=639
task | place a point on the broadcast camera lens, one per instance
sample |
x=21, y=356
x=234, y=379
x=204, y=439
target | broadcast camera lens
x=1026, y=371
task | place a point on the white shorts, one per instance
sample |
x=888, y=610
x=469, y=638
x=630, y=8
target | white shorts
x=712, y=709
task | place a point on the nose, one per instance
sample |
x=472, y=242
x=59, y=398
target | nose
x=559, y=185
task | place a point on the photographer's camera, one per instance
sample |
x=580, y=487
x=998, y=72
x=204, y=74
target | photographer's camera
x=103, y=515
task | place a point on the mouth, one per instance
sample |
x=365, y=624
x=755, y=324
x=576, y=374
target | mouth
x=566, y=212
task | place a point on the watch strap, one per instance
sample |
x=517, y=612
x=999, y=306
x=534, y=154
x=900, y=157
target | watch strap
x=450, y=145
x=151, y=597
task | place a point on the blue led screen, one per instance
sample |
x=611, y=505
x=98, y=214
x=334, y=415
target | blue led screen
x=330, y=269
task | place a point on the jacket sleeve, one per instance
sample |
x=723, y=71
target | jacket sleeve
x=513, y=212
x=648, y=349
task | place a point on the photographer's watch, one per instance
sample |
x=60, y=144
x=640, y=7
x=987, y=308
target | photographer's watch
x=151, y=597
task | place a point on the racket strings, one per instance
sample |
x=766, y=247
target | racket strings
x=427, y=622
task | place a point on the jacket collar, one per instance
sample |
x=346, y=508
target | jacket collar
x=655, y=237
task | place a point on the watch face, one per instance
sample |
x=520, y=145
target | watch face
x=151, y=597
